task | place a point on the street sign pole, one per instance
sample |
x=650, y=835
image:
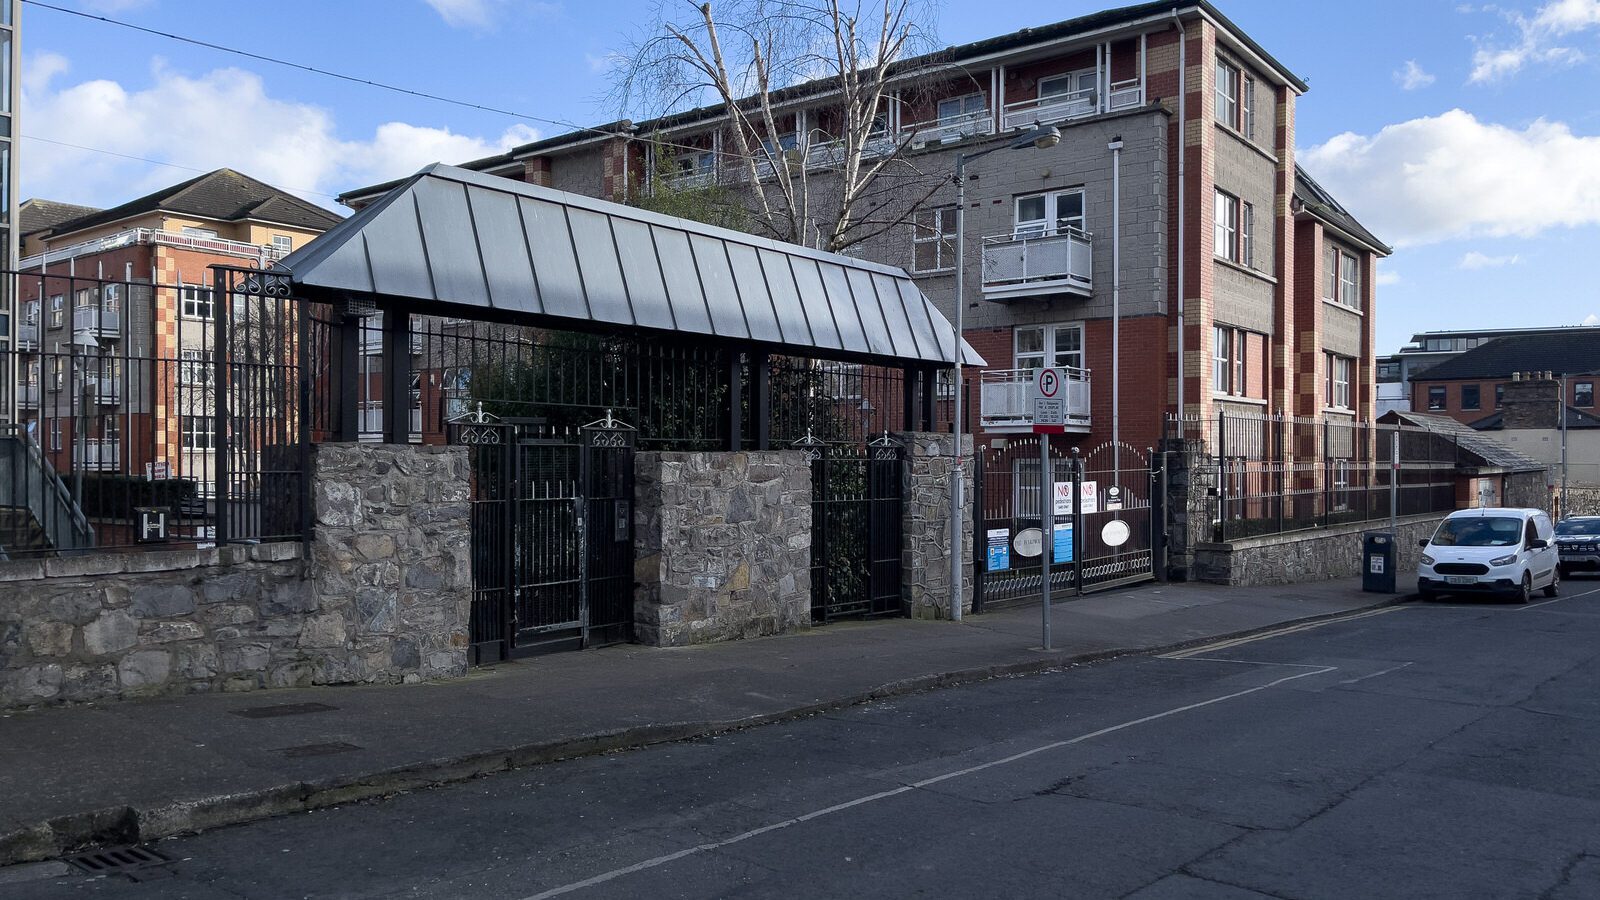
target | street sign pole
x=1047, y=521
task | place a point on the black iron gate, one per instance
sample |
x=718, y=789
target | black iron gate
x=856, y=507
x=552, y=535
x=1105, y=521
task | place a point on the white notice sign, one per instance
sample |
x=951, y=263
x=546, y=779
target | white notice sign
x=1088, y=497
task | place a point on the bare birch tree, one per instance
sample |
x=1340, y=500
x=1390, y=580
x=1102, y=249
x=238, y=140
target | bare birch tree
x=741, y=55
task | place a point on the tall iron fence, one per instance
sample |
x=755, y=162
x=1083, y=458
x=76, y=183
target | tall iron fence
x=1266, y=474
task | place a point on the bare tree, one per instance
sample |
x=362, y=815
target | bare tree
x=741, y=55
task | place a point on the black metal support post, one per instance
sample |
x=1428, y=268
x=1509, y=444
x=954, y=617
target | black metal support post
x=345, y=377
x=761, y=399
x=303, y=420
x=735, y=402
x=221, y=295
x=930, y=379
x=980, y=538
x=908, y=397
x=396, y=376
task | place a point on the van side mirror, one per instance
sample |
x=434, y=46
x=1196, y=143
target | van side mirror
x=1538, y=544
x=1423, y=543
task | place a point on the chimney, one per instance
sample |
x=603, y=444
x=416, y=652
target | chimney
x=1532, y=400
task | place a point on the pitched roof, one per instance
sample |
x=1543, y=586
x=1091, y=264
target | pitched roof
x=1316, y=200
x=506, y=249
x=1026, y=37
x=1576, y=418
x=1491, y=453
x=41, y=215
x=223, y=195
x=1573, y=351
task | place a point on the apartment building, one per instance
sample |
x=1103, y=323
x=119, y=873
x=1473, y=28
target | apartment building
x=1430, y=348
x=116, y=328
x=10, y=131
x=1471, y=386
x=1242, y=283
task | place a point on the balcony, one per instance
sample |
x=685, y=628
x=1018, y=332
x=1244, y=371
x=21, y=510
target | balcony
x=1051, y=109
x=28, y=336
x=950, y=128
x=829, y=154
x=101, y=321
x=260, y=253
x=1003, y=396
x=1035, y=264
x=28, y=396
x=100, y=454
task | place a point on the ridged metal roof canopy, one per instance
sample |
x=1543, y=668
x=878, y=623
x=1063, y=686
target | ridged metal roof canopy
x=463, y=239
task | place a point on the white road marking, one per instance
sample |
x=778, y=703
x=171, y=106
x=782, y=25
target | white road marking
x=1293, y=629
x=657, y=861
x=1376, y=674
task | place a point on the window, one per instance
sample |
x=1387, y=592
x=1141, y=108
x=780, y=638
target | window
x=282, y=243
x=207, y=233
x=55, y=434
x=58, y=373
x=1059, y=346
x=33, y=372
x=1222, y=369
x=58, y=306
x=1499, y=395
x=193, y=368
x=1247, y=244
x=199, y=432
x=1337, y=395
x=111, y=297
x=1388, y=371
x=1583, y=394
x=1227, y=93
x=1041, y=215
x=692, y=163
x=1247, y=108
x=1074, y=89
x=933, y=239
x=1471, y=396
x=955, y=108
x=1330, y=275
x=30, y=312
x=195, y=302
x=1227, y=227
x=1349, y=282
x=1436, y=397
x=111, y=428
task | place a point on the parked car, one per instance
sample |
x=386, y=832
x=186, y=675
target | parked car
x=1510, y=552
x=1578, y=540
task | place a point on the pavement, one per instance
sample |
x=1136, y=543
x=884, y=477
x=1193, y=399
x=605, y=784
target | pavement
x=135, y=771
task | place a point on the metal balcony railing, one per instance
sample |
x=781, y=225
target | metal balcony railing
x=28, y=336
x=950, y=128
x=28, y=396
x=1054, y=108
x=259, y=252
x=1034, y=263
x=104, y=390
x=97, y=453
x=1125, y=94
x=824, y=153
x=1004, y=394
x=102, y=321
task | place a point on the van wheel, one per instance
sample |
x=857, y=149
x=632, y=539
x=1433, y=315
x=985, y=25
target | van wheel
x=1554, y=587
x=1524, y=592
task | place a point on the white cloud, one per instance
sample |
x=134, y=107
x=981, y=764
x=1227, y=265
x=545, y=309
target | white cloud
x=1386, y=277
x=1475, y=260
x=1413, y=77
x=1451, y=176
x=293, y=145
x=1540, y=39
x=1590, y=319
x=486, y=13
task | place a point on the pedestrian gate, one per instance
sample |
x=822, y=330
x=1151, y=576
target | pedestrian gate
x=856, y=492
x=552, y=535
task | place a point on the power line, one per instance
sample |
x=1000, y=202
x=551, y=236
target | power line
x=353, y=79
x=154, y=162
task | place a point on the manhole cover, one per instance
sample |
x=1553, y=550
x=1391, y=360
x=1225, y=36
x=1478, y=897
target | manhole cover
x=133, y=863
x=282, y=709
x=318, y=749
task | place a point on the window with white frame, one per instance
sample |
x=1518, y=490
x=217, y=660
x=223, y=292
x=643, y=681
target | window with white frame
x=1042, y=215
x=1056, y=346
x=192, y=367
x=1436, y=398
x=1247, y=107
x=1349, y=282
x=55, y=434
x=1247, y=225
x=282, y=243
x=1227, y=93
x=1339, y=370
x=30, y=312
x=199, y=432
x=1330, y=273
x=111, y=297
x=1227, y=226
x=1222, y=360
x=1077, y=85
x=58, y=307
x=1583, y=394
x=954, y=109
x=58, y=373
x=695, y=163
x=933, y=239
x=33, y=372
x=194, y=301
x=111, y=428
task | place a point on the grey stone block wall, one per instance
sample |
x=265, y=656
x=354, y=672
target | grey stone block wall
x=383, y=596
x=925, y=524
x=1303, y=556
x=722, y=546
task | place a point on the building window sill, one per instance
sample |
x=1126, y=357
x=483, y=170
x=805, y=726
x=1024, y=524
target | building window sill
x=1349, y=309
x=1238, y=267
x=1236, y=398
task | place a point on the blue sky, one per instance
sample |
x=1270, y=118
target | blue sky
x=1466, y=134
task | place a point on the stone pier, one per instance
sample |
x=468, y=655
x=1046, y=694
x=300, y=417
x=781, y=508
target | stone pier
x=925, y=524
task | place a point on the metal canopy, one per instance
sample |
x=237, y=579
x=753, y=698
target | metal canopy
x=460, y=238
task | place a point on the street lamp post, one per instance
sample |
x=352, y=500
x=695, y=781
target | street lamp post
x=1041, y=138
x=80, y=400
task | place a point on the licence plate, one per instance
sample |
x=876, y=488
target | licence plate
x=1460, y=579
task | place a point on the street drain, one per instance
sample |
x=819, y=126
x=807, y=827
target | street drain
x=133, y=863
x=282, y=709
x=318, y=749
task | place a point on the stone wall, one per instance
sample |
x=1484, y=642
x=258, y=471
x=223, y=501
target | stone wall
x=1582, y=500
x=1317, y=555
x=925, y=524
x=722, y=546
x=384, y=596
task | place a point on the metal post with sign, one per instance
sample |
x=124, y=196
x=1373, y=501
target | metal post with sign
x=1048, y=405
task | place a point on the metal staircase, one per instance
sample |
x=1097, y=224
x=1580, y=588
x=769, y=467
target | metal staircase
x=37, y=513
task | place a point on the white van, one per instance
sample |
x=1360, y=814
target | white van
x=1511, y=552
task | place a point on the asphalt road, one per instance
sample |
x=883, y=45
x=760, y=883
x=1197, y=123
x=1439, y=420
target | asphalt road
x=1440, y=750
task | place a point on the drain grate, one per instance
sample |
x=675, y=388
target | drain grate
x=317, y=749
x=133, y=863
x=282, y=709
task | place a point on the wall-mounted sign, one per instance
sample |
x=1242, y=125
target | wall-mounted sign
x=999, y=545
x=1029, y=542
x=1113, y=498
x=1063, y=542
x=1088, y=497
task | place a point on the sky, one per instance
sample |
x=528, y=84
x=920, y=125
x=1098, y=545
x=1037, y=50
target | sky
x=1467, y=135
